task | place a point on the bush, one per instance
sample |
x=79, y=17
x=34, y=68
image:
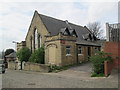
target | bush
x=97, y=75
x=55, y=68
x=98, y=61
x=23, y=54
x=37, y=56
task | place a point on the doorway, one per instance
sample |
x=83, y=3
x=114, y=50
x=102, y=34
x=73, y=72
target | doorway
x=52, y=54
x=89, y=51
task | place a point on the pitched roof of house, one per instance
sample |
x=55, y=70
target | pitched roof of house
x=54, y=26
x=13, y=55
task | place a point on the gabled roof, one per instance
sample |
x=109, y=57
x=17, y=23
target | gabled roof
x=54, y=26
x=13, y=55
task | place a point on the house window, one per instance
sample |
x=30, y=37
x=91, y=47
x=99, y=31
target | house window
x=65, y=33
x=68, y=50
x=79, y=50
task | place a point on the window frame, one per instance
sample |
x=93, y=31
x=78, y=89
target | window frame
x=39, y=40
x=80, y=49
x=68, y=49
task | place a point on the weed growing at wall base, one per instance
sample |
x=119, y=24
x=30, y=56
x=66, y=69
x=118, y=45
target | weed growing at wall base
x=98, y=62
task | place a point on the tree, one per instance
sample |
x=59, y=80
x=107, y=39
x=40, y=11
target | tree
x=95, y=28
x=38, y=56
x=23, y=54
x=8, y=51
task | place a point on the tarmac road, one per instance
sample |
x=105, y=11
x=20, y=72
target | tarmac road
x=65, y=79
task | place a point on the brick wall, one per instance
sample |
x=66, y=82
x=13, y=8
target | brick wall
x=114, y=49
x=108, y=65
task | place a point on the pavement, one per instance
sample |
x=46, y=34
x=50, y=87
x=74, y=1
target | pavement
x=75, y=77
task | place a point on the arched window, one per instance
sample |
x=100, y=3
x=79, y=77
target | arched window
x=39, y=40
x=31, y=43
x=35, y=39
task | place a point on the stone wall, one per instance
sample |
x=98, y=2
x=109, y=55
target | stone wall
x=55, y=50
x=36, y=67
x=21, y=45
x=41, y=29
x=12, y=65
x=27, y=66
x=68, y=59
x=83, y=57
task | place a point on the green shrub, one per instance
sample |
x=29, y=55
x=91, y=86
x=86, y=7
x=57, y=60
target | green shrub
x=23, y=54
x=55, y=68
x=37, y=56
x=97, y=75
x=98, y=61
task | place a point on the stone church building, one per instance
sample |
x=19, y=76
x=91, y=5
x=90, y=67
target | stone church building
x=65, y=43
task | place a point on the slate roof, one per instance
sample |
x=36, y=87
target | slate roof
x=83, y=42
x=54, y=26
x=13, y=55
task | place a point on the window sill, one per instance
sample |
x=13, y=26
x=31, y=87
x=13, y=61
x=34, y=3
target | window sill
x=80, y=54
x=68, y=54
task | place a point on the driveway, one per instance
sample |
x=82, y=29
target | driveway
x=82, y=71
x=75, y=77
x=85, y=67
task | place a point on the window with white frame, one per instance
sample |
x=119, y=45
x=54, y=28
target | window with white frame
x=68, y=50
x=79, y=50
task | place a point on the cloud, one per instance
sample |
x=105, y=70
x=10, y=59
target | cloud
x=16, y=16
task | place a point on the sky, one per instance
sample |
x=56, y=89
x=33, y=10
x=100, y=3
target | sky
x=16, y=15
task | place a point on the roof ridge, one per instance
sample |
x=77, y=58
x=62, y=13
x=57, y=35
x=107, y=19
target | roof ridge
x=51, y=17
x=60, y=20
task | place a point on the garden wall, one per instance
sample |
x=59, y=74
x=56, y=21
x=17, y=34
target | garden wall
x=108, y=65
x=36, y=67
x=29, y=66
x=13, y=65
